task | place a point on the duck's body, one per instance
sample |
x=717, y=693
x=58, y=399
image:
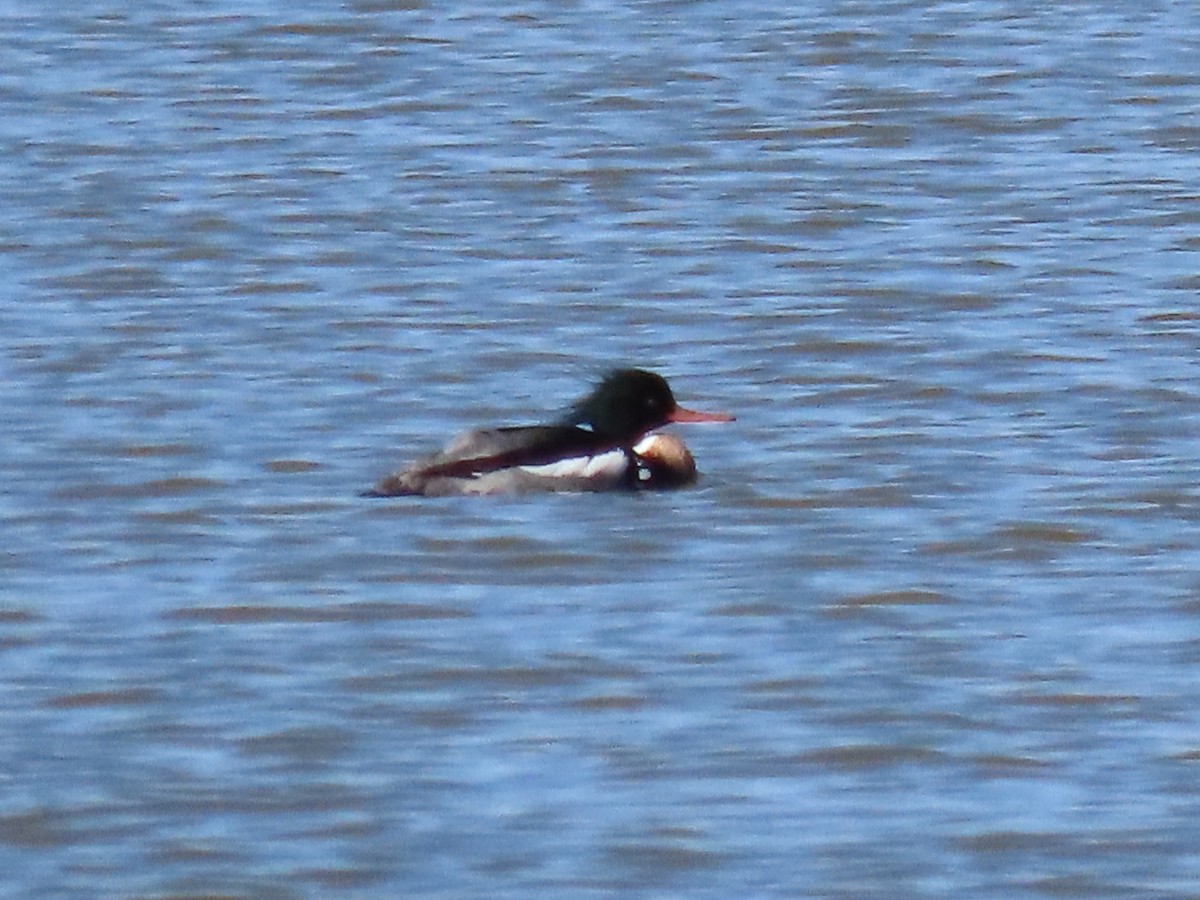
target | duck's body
x=657, y=461
x=601, y=445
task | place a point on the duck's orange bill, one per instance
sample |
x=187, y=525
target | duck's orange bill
x=679, y=414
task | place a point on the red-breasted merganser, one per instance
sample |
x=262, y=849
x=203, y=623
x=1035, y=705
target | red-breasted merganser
x=602, y=444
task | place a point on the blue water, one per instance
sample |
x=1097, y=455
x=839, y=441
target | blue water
x=927, y=627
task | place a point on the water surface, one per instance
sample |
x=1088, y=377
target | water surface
x=926, y=628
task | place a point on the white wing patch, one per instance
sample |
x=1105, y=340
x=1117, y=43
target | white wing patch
x=611, y=463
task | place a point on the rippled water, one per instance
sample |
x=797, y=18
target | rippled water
x=926, y=628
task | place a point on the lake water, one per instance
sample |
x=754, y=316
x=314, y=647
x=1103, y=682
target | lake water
x=929, y=626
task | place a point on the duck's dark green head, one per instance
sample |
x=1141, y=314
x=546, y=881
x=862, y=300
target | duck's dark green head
x=630, y=402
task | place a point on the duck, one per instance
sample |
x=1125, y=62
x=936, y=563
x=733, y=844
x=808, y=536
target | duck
x=602, y=444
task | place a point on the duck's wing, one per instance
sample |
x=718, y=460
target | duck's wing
x=474, y=454
x=488, y=450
